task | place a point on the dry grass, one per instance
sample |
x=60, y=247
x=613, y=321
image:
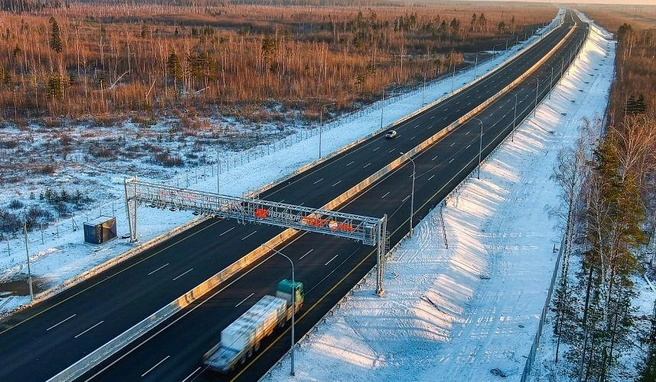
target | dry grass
x=117, y=60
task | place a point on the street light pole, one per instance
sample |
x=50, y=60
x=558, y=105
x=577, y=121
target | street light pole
x=412, y=193
x=382, y=107
x=27, y=252
x=537, y=89
x=423, y=92
x=320, y=127
x=480, y=148
x=292, y=373
x=218, y=169
x=512, y=134
x=551, y=82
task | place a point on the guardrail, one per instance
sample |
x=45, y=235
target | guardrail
x=130, y=335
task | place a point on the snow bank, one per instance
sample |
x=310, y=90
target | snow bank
x=456, y=314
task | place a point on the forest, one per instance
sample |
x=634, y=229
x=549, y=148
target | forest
x=110, y=60
x=609, y=218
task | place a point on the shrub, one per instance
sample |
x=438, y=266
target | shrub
x=15, y=204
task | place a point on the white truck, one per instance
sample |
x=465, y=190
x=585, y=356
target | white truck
x=243, y=336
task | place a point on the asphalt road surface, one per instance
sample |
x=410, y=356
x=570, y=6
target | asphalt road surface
x=39, y=342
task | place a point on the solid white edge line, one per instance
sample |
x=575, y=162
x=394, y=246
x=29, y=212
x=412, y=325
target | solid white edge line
x=157, y=364
x=89, y=329
x=245, y=298
x=61, y=322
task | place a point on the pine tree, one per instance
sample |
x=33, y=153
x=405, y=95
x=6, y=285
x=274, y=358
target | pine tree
x=55, y=38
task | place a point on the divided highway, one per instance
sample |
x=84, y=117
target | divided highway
x=39, y=342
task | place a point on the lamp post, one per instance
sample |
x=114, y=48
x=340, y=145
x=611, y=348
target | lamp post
x=321, y=122
x=423, y=91
x=412, y=193
x=292, y=373
x=476, y=64
x=218, y=169
x=551, y=82
x=382, y=108
x=537, y=89
x=512, y=133
x=27, y=252
x=480, y=148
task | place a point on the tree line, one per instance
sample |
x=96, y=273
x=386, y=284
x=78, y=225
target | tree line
x=88, y=61
x=608, y=212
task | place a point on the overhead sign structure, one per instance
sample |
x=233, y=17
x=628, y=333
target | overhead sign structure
x=368, y=230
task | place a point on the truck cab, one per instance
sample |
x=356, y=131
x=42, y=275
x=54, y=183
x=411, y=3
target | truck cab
x=285, y=290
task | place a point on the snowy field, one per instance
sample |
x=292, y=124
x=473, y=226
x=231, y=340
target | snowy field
x=469, y=312
x=58, y=253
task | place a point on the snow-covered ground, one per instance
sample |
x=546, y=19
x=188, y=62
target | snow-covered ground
x=462, y=312
x=59, y=253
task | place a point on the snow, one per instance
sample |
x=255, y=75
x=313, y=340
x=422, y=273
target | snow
x=58, y=253
x=463, y=312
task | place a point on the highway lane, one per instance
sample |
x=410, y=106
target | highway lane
x=76, y=322
x=321, y=262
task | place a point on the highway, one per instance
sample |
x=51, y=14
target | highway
x=38, y=342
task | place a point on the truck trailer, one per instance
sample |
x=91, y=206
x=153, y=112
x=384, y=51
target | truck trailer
x=243, y=336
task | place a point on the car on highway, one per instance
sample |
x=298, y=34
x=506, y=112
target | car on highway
x=391, y=134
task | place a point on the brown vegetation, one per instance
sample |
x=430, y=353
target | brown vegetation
x=106, y=60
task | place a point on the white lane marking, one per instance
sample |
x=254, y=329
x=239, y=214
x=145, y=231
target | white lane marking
x=306, y=253
x=318, y=181
x=392, y=150
x=431, y=177
x=435, y=157
x=163, y=266
x=249, y=235
x=350, y=163
x=413, y=137
x=376, y=148
x=452, y=144
x=227, y=231
x=367, y=165
x=432, y=116
x=136, y=347
x=191, y=375
x=467, y=133
x=89, y=329
x=444, y=119
x=338, y=182
x=383, y=197
x=404, y=199
x=417, y=126
x=468, y=146
x=61, y=322
x=177, y=277
x=244, y=300
x=329, y=261
x=157, y=364
x=452, y=159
